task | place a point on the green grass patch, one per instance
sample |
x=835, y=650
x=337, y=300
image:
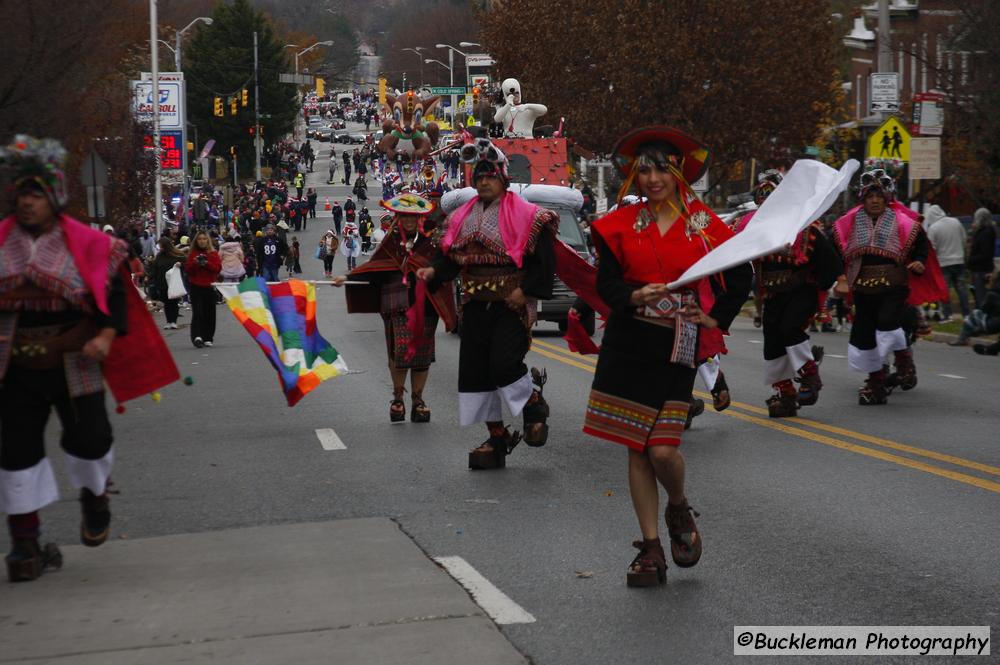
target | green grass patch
x=951, y=327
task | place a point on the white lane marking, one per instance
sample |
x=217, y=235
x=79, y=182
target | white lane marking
x=755, y=341
x=951, y=376
x=329, y=439
x=834, y=355
x=494, y=602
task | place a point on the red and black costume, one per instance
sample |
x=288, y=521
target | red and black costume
x=647, y=365
x=646, y=369
x=60, y=284
x=409, y=312
x=496, y=248
x=788, y=282
x=877, y=253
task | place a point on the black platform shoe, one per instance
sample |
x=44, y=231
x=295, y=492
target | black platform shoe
x=492, y=453
x=27, y=560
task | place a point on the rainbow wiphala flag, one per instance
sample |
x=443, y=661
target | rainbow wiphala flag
x=282, y=320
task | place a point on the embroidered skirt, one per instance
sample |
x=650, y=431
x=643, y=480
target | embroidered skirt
x=398, y=339
x=639, y=398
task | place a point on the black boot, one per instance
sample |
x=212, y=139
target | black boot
x=536, y=412
x=987, y=349
x=27, y=559
x=874, y=391
x=96, y=522
x=784, y=403
x=809, y=384
x=906, y=370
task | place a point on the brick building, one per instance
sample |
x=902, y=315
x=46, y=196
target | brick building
x=921, y=32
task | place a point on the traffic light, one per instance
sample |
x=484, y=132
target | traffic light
x=217, y=108
x=232, y=151
x=232, y=105
x=245, y=98
x=475, y=96
x=251, y=130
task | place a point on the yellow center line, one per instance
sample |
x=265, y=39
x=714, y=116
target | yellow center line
x=833, y=429
x=588, y=364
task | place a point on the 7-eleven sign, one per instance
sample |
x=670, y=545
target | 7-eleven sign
x=479, y=80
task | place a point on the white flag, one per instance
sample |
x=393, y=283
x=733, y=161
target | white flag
x=807, y=191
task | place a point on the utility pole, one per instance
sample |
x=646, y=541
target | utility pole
x=256, y=107
x=451, y=82
x=884, y=45
x=154, y=48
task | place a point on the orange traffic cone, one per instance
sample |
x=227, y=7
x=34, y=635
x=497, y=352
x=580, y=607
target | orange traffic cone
x=326, y=206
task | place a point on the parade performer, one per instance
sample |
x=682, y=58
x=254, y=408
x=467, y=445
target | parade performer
x=70, y=320
x=884, y=250
x=926, y=287
x=503, y=248
x=787, y=283
x=655, y=337
x=409, y=314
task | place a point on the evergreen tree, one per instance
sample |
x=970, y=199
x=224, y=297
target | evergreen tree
x=219, y=62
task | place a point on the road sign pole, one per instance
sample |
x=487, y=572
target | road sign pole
x=451, y=79
x=93, y=183
x=155, y=68
x=256, y=106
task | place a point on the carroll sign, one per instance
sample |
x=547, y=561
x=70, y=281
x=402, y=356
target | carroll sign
x=171, y=103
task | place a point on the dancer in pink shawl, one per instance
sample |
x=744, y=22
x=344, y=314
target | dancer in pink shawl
x=503, y=248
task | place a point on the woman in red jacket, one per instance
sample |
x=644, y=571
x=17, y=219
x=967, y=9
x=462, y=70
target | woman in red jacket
x=202, y=267
x=655, y=336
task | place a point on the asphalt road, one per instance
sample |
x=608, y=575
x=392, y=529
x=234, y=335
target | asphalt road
x=848, y=515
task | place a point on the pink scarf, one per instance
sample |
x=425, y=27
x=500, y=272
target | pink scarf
x=91, y=251
x=140, y=361
x=515, y=221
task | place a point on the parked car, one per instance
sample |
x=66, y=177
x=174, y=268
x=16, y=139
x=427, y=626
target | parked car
x=565, y=202
x=357, y=137
x=341, y=137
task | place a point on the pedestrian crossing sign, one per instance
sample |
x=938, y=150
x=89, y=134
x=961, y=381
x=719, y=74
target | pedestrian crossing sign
x=890, y=141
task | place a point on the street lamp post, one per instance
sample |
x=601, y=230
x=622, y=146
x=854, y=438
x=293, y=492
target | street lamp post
x=298, y=87
x=304, y=51
x=420, y=57
x=451, y=61
x=154, y=55
x=177, y=68
x=451, y=77
x=468, y=76
x=177, y=39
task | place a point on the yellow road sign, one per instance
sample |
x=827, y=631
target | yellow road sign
x=381, y=90
x=890, y=141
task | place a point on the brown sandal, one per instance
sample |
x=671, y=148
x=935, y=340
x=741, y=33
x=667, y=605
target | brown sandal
x=649, y=567
x=397, y=407
x=685, y=541
x=420, y=413
x=720, y=394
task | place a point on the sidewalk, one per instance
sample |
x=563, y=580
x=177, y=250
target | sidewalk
x=346, y=592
